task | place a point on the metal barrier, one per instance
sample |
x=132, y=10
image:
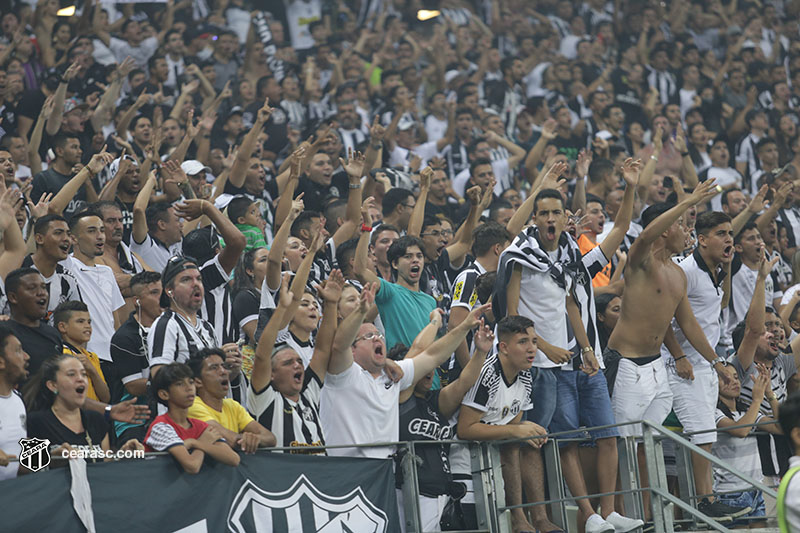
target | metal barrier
x=495, y=517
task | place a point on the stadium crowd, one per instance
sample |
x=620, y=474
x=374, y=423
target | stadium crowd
x=229, y=225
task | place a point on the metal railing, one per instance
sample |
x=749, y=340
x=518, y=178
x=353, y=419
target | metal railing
x=493, y=516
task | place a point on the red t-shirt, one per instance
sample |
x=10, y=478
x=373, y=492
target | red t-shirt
x=165, y=433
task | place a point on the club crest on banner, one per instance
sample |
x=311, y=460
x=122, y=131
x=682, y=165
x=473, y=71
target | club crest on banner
x=303, y=507
x=35, y=454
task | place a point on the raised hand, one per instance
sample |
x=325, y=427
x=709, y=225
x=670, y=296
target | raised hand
x=658, y=139
x=631, y=170
x=549, y=129
x=331, y=288
x=704, y=192
x=42, y=207
x=47, y=108
x=190, y=87
x=99, y=161
x=191, y=209
x=297, y=207
x=758, y=203
x=285, y=296
x=584, y=160
x=475, y=316
x=483, y=338
x=174, y=172
x=765, y=267
x=487, y=196
x=72, y=71
x=265, y=112
x=782, y=194
x=367, y=297
x=425, y=176
x=551, y=178
x=474, y=194
x=354, y=166
x=376, y=131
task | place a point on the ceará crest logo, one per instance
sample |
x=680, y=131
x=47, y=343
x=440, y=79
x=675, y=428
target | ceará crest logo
x=35, y=454
x=303, y=507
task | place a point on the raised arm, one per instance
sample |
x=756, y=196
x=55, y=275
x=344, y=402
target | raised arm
x=342, y=353
x=631, y=171
x=651, y=163
x=517, y=153
x=275, y=257
x=234, y=239
x=418, y=213
x=551, y=180
x=756, y=316
x=262, y=362
x=54, y=122
x=360, y=261
x=451, y=396
x=239, y=170
x=300, y=280
x=139, y=233
x=450, y=133
x=354, y=166
x=331, y=291
x=458, y=250
x=96, y=164
x=14, y=248
x=641, y=246
x=438, y=352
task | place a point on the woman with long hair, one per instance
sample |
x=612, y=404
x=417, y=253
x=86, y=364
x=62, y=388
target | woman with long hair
x=55, y=397
x=607, y=306
x=248, y=276
x=698, y=146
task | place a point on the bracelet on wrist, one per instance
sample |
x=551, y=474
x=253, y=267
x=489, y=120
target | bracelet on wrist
x=679, y=358
x=654, y=158
x=355, y=185
x=684, y=154
x=366, y=228
x=587, y=349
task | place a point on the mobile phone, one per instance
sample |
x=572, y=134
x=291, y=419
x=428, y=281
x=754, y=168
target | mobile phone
x=668, y=182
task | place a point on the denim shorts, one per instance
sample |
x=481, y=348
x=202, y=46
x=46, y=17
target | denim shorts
x=543, y=395
x=749, y=498
x=582, y=401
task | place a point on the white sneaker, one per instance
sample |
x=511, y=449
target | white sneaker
x=596, y=524
x=623, y=524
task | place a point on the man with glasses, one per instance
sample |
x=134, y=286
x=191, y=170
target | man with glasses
x=357, y=380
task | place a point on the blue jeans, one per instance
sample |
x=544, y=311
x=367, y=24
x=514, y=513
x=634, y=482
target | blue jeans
x=543, y=395
x=750, y=498
x=582, y=400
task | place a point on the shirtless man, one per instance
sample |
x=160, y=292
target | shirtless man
x=636, y=373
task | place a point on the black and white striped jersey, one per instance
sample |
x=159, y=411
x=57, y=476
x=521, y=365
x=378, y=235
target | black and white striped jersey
x=217, y=307
x=499, y=400
x=292, y=423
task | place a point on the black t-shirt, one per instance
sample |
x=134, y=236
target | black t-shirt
x=448, y=210
x=129, y=354
x=31, y=104
x=39, y=343
x=245, y=305
x=45, y=425
x=438, y=277
x=51, y=181
x=420, y=420
x=315, y=193
x=627, y=97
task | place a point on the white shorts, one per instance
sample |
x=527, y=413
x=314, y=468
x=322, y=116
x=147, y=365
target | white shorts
x=695, y=403
x=640, y=393
x=430, y=511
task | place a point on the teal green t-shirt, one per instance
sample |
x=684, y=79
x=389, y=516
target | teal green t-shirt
x=404, y=313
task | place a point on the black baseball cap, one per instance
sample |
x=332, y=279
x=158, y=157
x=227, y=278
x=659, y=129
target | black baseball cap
x=175, y=265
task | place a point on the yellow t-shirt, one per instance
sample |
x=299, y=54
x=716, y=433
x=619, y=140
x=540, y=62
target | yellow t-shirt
x=90, y=393
x=233, y=417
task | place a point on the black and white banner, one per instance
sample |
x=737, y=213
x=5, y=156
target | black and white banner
x=265, y=493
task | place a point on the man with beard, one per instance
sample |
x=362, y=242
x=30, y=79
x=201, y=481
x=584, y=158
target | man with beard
x=13, y=372
x=733, y=202
x=117, y=254
x=96, y=282
x=51, y=234
x=67, y=148
x=122, y=186
x=693, y=382
x=727, y=177
x=211, y=405
x=179, y=332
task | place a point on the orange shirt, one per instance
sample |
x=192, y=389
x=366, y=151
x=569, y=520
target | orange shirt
x=602, y=278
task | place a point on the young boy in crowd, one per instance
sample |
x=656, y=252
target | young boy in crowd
x=73, y=322
x=246, y=215
x=188, y=440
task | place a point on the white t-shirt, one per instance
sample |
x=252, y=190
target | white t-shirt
x=12, y=428
x=356, y=408
x=435, y=128
x=300, y=14
x=400, y=157
x=724, y=177
x=140, y=54
x=499, y=168
x=544, y=302
x=101, y=295
x=154, y=253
